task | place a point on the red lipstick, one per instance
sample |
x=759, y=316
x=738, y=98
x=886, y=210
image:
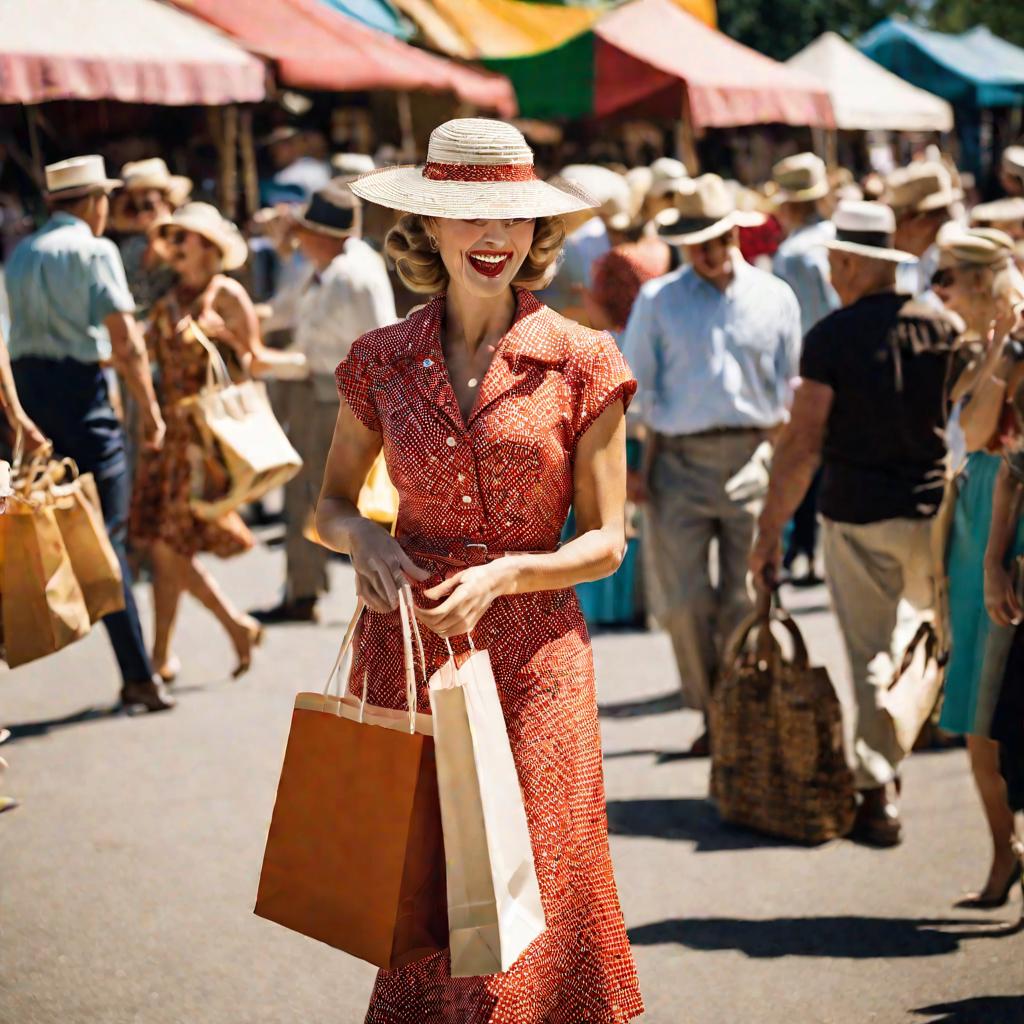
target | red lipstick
x=487, y=263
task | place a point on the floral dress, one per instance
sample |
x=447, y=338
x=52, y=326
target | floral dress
x=163, y=480
x=503, y=481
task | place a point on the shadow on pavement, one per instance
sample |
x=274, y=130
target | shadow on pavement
x=26, y=730
x=851, y=938
x=639, y=708
x=686, y=818
x=978, y=1010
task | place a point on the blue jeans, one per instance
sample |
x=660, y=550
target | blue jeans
x=70, y=404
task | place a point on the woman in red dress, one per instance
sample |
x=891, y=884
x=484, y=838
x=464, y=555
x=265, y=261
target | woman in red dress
x=495, y=414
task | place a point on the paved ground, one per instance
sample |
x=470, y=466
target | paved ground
x=127, y=877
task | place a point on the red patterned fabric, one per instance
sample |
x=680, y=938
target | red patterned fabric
x=618, y=275
x=504, y=479
x=436, y=171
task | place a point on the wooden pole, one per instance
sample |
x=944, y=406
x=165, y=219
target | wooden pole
x=686, y=142
x=230, y=163
x=38, y=167
x=406, y=126
x=247, y=148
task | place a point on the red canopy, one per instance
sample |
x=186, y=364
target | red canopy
x=649, y=50
x=316, y=47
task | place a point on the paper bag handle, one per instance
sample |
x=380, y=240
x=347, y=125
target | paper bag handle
x=217, y=375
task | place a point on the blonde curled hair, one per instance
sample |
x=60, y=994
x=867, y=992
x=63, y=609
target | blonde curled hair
x=994, y=290
x=422, y=270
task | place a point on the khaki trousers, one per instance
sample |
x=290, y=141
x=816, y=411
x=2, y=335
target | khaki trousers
x=695, y=504
x=881, y=579
x=310, y=411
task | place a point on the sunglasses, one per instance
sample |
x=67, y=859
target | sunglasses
x=943, y=279
x=137, y=206
x=176, y=237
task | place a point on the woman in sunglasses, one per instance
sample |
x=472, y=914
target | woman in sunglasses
x=204, y=304
x=981, y=284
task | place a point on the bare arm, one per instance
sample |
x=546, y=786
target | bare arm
x=596, y=551
x=132, y=362
x=10, y=404
x=981, y=413
x=1000, y=599
x=795, y=461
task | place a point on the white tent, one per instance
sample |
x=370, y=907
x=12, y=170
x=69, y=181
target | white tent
x=865, y=95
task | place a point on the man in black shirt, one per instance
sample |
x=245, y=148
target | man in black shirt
x=869, y=406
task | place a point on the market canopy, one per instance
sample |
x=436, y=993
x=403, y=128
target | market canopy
x=315, y=47
x=513, y=28
x=865, y=96
x=972, y=69
x=134, y=51
x=379, y=14
x=647, y=57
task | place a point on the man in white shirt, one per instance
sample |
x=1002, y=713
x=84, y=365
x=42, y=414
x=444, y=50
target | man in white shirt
x=348, y=295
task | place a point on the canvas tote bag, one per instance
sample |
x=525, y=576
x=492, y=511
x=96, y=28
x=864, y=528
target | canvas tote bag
x=77, y=512
x=494, y=907
x=778, y=764
x=244, y=451
x=916, y=687
x=355, y=856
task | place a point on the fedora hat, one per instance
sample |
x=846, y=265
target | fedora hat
x=476, y=168
x=999, y=211
x=920, y=188
x=978, y=247
x=1013, y=161
x=866, y=229
x=703, y=212
x=79, y=176
x=153, y=173
x=800, y=179
x=206, y=220
x=666, y=175
x=609, y=189
x=334, y=211
x=352, y=163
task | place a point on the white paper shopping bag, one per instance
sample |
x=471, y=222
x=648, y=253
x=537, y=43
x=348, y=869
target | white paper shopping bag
x=494, y=908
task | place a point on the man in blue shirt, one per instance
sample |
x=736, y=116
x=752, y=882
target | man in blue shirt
x=71, y=312
x=714, y=346
x=802, y=262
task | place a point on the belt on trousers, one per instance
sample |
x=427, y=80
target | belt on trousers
x=458, y=552
x=714, y=432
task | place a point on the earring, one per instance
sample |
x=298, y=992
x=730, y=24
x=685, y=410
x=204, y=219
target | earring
x=433, y=242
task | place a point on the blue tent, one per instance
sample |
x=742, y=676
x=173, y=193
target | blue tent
x=974, y=70
x=378, y=14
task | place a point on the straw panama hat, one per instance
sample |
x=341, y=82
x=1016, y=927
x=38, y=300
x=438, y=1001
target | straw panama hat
x=607, y=187
x=800, y=179
x=79, y=176
x=476, y=169
x=920, y=188
x=999, y=211
x=703, y=212
x=206, y=220
x=979, y=247
x=866, y=229
x=352, y=163
x=1013, y=161
x=666, y=174
x=153, y=173
x=333, y=211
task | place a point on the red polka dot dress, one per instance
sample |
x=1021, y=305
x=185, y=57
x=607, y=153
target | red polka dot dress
x=503, y=482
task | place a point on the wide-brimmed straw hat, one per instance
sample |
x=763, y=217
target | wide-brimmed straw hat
x=609, y=189
x=920, y=188
x=333, y=211
x=703, y=212
x=153, y=173
x=206, y=220
x=79, y=176
x=977, y=247
x=800, y=179
x=352, y=163
x=476, y=169
x=1013, y=161
x=999, y=211
x=866, y=229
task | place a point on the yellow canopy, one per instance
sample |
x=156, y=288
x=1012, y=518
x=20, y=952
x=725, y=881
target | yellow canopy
x=510, y=28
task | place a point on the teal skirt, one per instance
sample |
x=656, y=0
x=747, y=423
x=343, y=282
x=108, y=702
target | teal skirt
x=979, y=648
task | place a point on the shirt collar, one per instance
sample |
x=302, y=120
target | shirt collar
x=61, y=218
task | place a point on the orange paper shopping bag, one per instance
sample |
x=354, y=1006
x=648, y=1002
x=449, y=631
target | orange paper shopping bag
x=355, y=856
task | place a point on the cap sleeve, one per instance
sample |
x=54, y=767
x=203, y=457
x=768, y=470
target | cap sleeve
x=602, y=378
x=354, y=376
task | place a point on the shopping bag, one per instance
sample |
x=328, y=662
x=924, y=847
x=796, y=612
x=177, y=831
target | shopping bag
x=355, y=855
x=778, y=764
x=79, y=517
x=43, y=608
x=378, y=499
x=241, y=451
x=915, y=688
x=494, y=908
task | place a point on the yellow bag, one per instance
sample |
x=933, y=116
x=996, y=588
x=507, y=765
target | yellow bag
x=243, y=452
x=378, y=500
x=43, y=608
x=77, y=511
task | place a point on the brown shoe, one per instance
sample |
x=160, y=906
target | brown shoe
x=302, y=609
x=150, y=694
x=878, y=819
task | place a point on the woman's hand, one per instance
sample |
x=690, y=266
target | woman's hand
x=469, y=594
x=1000, y=597
x=382, y=567
x=32, y=436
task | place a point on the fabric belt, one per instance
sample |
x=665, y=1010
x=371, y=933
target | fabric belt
x=459, y=552
x=714, y=432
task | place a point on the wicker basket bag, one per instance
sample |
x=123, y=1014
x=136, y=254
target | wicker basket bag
x=778, y=764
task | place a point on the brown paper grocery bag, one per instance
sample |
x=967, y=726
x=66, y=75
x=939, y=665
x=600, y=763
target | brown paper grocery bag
x=494, y=907
x=77, y=511
x=43, y=606
x=355, y=857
